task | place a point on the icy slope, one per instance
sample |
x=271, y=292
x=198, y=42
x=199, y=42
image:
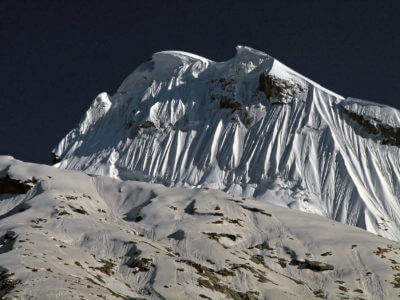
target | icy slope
x=249, y=126
x=65, y=234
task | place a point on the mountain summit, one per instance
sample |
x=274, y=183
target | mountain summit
x=249, y=126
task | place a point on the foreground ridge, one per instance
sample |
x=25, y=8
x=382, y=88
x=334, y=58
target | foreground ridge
x=65, y=233
x=249, y=126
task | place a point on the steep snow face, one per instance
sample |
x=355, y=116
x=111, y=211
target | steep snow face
x=249, y=126
x=65, y=234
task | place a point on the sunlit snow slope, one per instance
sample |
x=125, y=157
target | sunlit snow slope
x=249, y=126
x=67, y=235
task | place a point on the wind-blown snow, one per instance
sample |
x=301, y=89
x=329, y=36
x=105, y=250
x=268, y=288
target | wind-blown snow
x=249, y=126
x=65, y=234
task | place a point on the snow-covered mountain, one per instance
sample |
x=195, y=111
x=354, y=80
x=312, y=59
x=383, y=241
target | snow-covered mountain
x=249, y=126
x=65, y=235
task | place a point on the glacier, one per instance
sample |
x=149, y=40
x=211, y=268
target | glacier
x=251, y=127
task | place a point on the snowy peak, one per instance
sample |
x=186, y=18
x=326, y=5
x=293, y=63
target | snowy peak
x=170, y=65
x=249, y=126
x=97, y=110
x=164, y=66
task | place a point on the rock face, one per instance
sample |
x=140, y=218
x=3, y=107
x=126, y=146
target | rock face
x=79, y=236
x=277, y=89
x=249, y=126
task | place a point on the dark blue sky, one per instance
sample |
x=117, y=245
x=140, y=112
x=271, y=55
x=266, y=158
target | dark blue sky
x=56, y=56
